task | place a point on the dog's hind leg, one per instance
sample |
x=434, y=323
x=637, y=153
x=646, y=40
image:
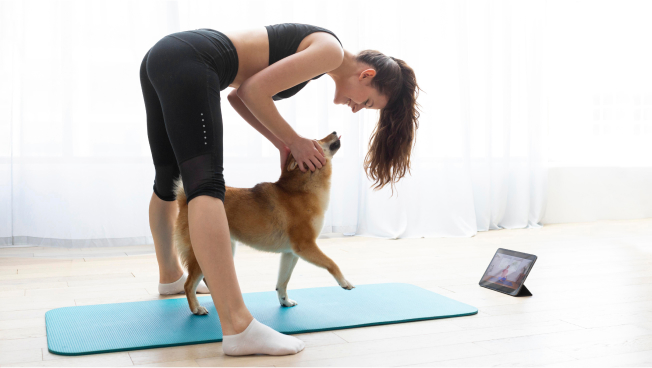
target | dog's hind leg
x=310, y=252
x=195, y=275
x=288, y=261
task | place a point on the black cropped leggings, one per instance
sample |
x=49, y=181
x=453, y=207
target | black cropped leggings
x=181, y=77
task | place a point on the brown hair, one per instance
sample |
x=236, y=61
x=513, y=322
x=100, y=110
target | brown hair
x=391, y=142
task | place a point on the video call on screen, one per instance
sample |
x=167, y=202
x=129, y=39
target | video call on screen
x=507, y=271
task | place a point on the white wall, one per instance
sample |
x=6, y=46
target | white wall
x=581, y=194
x=599, y=84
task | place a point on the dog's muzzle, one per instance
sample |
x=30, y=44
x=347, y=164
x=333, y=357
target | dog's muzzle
x=335, y=145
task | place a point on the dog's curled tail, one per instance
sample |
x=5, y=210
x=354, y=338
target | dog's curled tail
x=181, y=234
x=180, y=194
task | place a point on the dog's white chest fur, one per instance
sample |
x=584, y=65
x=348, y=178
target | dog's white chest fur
x=318, y=221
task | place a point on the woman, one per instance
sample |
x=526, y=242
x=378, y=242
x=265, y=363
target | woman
x=503, y=274
x=181, y=78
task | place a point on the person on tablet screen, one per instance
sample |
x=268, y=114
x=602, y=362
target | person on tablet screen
x=503, y=274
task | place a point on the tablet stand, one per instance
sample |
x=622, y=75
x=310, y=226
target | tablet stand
x=524, y=292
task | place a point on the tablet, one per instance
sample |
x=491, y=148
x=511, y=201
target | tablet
x=507, y=271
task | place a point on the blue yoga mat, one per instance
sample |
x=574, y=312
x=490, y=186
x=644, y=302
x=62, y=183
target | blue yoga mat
x=105, y=328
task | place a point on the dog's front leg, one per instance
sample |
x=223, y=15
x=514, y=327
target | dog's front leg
x=288, y=261
x=310, y=252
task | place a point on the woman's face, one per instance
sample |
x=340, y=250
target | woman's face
x=357, y=92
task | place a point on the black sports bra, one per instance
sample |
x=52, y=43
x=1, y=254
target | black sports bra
x=284, y=40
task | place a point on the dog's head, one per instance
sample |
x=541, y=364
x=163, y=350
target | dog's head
x=294, y=179
x=330, y=144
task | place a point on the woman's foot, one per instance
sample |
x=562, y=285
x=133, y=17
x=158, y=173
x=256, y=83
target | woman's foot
x=177, y=287
x=258, y=338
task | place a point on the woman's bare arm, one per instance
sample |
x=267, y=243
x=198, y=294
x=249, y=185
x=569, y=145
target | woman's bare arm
x=240, y=107
x=256, y=93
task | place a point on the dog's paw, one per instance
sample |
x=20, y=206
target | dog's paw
x=287, y=302
x=200, y=311
x=346, y=285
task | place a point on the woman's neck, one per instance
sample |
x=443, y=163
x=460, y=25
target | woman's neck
x=348, y=67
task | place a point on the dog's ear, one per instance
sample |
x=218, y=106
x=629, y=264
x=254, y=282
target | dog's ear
x=292, y=163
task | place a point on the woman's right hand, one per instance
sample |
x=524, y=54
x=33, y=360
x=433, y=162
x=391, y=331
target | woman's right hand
x=308, y=152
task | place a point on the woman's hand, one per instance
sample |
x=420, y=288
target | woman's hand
x=285, y=153
x=307, y=151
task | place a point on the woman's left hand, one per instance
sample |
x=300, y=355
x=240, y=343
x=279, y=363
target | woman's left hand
x=285, y=152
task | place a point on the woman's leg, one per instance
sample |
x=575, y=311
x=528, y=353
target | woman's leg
x=163, y=207
x=162, y=215
x=211, y=242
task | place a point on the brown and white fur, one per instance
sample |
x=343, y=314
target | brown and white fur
x=283, y=217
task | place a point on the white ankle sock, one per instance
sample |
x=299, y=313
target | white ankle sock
x=258, y=338
x=177, y=287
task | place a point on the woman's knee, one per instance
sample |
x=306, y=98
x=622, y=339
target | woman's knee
x=201, y=175
x=164, y=179
x=212, y=187
x=209, y=192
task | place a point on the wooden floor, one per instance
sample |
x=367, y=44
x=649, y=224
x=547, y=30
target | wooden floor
x=592, y=303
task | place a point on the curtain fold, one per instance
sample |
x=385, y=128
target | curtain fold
x=75, y=164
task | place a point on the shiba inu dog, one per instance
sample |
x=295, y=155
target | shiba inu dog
x=283, y=217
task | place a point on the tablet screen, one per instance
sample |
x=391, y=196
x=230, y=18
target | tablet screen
x=507, y=270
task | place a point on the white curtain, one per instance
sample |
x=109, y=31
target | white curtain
x=75, y=164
